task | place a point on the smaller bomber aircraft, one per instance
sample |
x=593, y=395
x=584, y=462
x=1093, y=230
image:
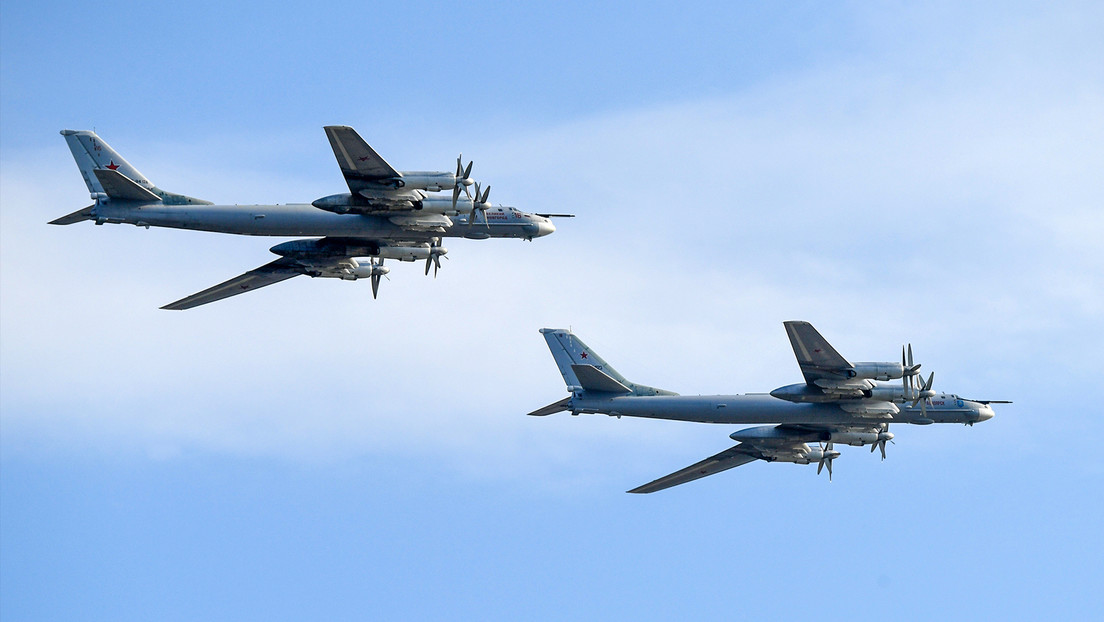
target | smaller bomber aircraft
x=839, y=402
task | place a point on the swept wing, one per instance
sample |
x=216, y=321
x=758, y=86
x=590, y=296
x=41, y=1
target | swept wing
x=360, y=164
x=727, y=459
x=282, y=269
x=782, y=444
x=816, y=357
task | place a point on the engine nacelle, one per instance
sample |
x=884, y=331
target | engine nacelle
x=887, y=393
x=855, y=439
x=427, y=180
x=410, y=253
x=876, y=371
x=359, y=270
x=443, y=205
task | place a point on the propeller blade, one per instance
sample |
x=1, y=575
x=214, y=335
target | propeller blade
x=429, y=260
x=882, y=445
x=455, y=196
x=904, y=376
x=467, y=171
x=820, y=467
x=375, y=285
x=458, y=169
x=486, y=193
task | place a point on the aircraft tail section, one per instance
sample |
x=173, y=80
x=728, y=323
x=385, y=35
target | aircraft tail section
x=109, y=176
x=92, y=154
x=584, y=370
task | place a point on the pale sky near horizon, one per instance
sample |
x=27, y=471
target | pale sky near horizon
x=890, y=172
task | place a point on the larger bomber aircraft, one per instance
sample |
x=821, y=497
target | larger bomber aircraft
x=839, y=402
x=387, y=214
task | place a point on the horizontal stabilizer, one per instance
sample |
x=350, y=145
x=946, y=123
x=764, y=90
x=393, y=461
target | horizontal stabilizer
x=593, y=379
x=121, y=188
x=552, y=409
x=77, y=216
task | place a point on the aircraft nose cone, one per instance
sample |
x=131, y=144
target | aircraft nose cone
x=985, y=413
x=545, y=227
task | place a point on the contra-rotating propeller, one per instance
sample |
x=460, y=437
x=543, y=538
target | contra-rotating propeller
x=923, y=393
x=463, y=180
x=827, y=455
x=908, y=370
x=885, y=436
x=479, y=203
x=378, y=270
x=434, y=258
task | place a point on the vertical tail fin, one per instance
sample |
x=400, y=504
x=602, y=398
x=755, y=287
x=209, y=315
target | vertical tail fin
x=109, y=176
x=582, y=367
x=91, y=153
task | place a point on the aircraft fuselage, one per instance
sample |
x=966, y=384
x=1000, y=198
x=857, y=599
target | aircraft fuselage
x=762, y=408
x=303, y=219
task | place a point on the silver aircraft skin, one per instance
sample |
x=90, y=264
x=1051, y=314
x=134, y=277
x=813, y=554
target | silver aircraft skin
x=839, y=402
x=387, y=214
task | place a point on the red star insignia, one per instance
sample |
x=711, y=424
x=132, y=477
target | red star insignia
x=817, y=350
x=364, y=159
x=113, y=166
x=584, y=355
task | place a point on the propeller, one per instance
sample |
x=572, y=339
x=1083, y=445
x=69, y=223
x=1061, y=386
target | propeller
x=434, y=259
x=378, y=271
x=463, y=179
x=923, y=393
x=908, y=370
x=827, y=455
x=883, y=437
x=479, y=204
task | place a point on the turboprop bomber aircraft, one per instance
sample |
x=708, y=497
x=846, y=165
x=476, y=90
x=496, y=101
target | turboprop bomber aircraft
x=839, y=402
x=387, y=214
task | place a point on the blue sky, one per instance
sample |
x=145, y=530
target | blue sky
x=891, y=173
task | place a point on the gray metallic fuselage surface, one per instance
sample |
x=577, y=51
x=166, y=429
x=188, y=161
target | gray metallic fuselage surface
x=840, y=403
x=763, y=408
